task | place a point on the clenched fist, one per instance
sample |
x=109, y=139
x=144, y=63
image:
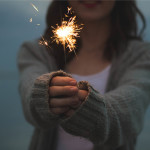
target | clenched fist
x=65, y=97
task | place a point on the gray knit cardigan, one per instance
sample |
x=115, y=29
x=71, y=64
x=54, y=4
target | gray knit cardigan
x=111, y=121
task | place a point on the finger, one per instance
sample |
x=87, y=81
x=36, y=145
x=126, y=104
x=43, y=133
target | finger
x=82, y=94
x=59, y=110
x=61, y=102
x=63, y=81
x=70, y=112
x=62, y=90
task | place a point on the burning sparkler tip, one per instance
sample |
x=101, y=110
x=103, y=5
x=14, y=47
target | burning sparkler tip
x=67, y=33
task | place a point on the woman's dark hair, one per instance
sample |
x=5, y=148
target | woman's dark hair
x=124, y=28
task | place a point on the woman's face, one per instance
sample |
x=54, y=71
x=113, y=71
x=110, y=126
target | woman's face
x=92, y=10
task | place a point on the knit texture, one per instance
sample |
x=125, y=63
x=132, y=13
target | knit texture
x=111, y=121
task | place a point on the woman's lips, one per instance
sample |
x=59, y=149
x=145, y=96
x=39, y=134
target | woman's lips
x=90, y=4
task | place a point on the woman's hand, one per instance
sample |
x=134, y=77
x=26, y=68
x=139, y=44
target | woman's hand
x=82, y=94
x=64, y=95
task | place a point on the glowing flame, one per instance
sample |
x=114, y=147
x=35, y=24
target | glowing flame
x=67, y=33
x=34, y=7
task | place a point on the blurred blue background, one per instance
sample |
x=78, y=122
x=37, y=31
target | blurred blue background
x=15, y=28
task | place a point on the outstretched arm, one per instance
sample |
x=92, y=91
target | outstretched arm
x=117, y=116
x=35, y=75
x=41, y=85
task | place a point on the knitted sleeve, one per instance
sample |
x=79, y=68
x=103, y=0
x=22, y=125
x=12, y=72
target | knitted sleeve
x=35, y=77
x=117, y=116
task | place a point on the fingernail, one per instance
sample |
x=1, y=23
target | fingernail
x=73, y=82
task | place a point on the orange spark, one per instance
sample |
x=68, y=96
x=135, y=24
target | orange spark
x=44, y=42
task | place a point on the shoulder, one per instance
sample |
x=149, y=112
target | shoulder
x=135, y=50
x=136, y=54
x=134, y=62
x=138, y=47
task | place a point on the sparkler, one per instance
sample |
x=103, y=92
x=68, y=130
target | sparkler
x=44, y=42
x=34, y=7
x=67, y=33
x=30, y=20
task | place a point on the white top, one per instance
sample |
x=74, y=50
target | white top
x=67, y=141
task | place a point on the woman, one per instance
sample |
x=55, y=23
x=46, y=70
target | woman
x=105, y=111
